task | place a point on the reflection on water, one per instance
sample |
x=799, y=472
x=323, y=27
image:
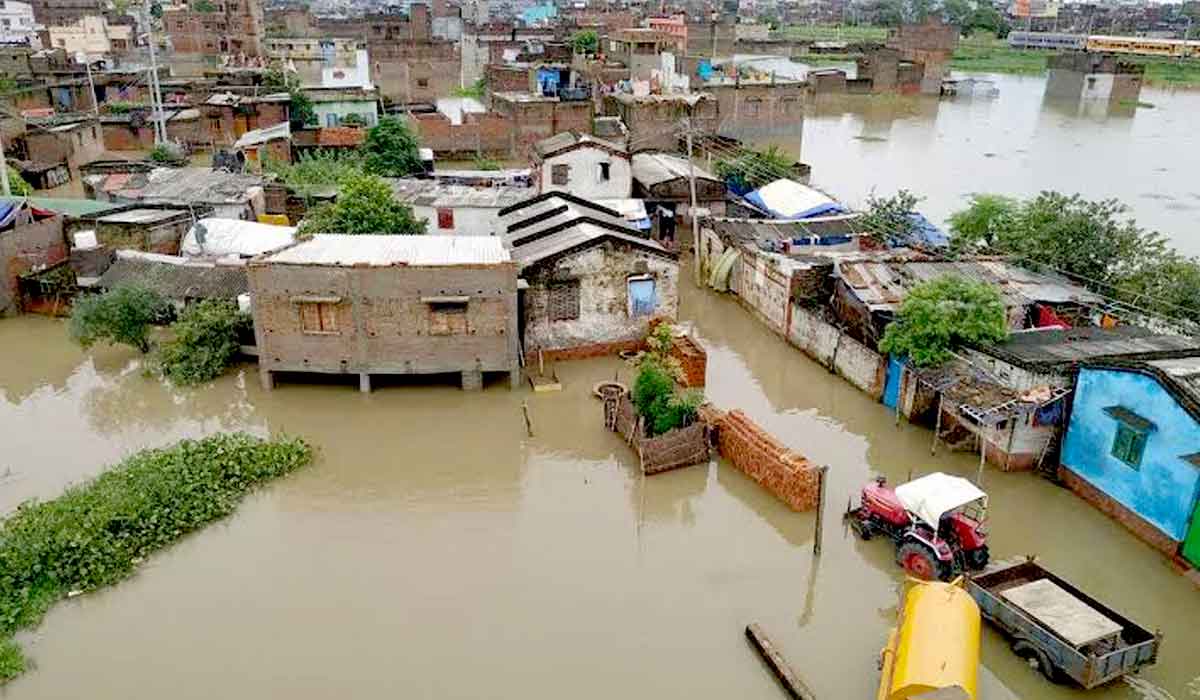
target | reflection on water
x=1018, y=143
x=434, y=550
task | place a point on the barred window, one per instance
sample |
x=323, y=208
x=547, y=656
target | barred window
x=318, y=318
x=562, y=303
x=448, y=318
x=560, y=174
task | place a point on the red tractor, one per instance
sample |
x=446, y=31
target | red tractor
x=936, y=521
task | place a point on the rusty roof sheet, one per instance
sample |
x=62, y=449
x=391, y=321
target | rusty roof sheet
x=882, y=284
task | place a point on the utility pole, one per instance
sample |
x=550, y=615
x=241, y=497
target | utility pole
x=156, y=107
x=692, y=209
x=87, y=62
x=4, y=170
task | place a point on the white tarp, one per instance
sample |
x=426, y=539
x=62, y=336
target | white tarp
x=789, y=199
x=225, y=237
x=930, y=496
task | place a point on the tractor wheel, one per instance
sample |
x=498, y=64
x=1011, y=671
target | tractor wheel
x=977, y=559
x=919, y=561
x=1036, y=658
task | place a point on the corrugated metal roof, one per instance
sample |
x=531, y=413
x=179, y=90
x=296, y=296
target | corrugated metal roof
x=385, y=250
x=1053, y=347
x=434, y=193
x=175, y=278
x=569, y=139
x=655, y=168
x=254, y=137
x=882, y=284
x=573, y=236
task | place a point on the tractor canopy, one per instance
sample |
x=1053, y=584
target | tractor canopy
x=932, y=496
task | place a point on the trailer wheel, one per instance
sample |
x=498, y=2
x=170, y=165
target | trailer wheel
x=1036, y=658
x=919, y=561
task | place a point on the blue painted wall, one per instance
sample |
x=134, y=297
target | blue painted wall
x=1164, y=490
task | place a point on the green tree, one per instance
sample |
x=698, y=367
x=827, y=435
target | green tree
x=988, y=218
x=958, y=13
x=17, y=184
x=300, y=112
x=391, y=149
x=942, y=314
x=662, y=408
x=585, y=42
x=752, y=168
x=122, y=316
x=204, y=342
x=365, y=205
x=889, y=219
x=317, y=171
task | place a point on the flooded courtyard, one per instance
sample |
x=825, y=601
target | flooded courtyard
x=433, y=550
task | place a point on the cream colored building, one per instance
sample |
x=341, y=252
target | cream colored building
x=91, y=35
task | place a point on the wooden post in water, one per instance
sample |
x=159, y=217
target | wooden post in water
x=787, y=677
x=823, y=472
x=937, y=427
x=528, y=422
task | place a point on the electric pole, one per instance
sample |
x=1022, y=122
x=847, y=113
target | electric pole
x=692, y=208
x=156, y=107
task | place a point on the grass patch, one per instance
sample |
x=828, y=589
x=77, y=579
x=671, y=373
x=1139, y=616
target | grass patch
x=829, y=32
x=996, y=57
x=96, y=533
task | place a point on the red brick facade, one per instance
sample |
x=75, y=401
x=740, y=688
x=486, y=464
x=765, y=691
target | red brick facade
x=584, y=352
x=692, y=359
x=224, y=123
x=488, y=133
x=23, y=248
x=235, y=27
x=750, y=449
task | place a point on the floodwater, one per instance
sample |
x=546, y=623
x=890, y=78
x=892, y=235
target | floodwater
x=434, y=551
x=1017, y=143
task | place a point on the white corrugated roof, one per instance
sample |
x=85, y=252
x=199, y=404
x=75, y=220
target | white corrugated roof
x=384, y=250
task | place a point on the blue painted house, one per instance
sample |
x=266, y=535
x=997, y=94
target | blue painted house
x=1133, y=449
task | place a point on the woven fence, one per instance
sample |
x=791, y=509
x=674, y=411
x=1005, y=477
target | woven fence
x=674, y=449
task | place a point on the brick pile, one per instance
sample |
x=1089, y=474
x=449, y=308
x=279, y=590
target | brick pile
x=692, y=359
x=786, y=474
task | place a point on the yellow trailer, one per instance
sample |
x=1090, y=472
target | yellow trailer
x=933, y=653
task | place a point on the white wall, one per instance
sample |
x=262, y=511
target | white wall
x=584, y=180
x=468, y=221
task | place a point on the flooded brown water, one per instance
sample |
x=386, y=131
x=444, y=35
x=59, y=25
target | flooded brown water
x=1017, y=144
x=434, y=551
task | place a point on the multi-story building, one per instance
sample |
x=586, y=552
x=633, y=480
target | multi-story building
x=58, y=12
x=229, y=27
x=16, y=21
x=93, y=36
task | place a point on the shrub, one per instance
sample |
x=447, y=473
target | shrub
x=657, y=401
x=391, y=149
x=205, y=342
x=95, y=533
x=942, y=314
x=120, y=316
x=365, y=205
x=162, y=153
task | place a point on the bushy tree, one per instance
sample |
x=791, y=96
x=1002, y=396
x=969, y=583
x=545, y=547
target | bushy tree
x=205, y=342
x=942, y=314
x=889, y=219
x=586, y=41
x=316, y=171
x=755, y=168
x=391, y=150
x=17, y=184
x=121, y=316
x=658, y=403
x=365, y=205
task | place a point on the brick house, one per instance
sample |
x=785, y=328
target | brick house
x=654, y=121
x=386, y=304
x=74, y=143
x=532, y=117
x=229, y=115
x=26, y=246
x=134, y=130
x=233, y=27
x=593, y=283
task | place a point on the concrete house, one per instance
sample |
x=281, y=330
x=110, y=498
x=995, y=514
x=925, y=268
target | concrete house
x=583, y=165
x=1132, y=449
x=386, y=305
x=592, y=282
x=457, y=210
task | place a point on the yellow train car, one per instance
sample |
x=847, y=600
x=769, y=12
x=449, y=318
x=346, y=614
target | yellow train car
x=1140, y=46
x=935, y=645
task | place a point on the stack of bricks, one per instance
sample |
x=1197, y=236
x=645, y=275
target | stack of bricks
x=786, y=474
x=692, y=359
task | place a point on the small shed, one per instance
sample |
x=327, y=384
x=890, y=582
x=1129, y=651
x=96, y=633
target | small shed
x=220, y=238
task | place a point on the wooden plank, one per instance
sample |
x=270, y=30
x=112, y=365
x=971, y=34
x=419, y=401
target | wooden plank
x=1069, y=617
x=787, y=677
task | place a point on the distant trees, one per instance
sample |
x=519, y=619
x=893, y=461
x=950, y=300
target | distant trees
x=1093, y=241
x=365, y=205
x=391, y=149
x=967, y=15
x=300, y=110
x=121, y=316
x=942, y=314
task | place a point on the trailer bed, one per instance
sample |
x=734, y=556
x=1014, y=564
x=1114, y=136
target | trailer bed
x=1082, y=638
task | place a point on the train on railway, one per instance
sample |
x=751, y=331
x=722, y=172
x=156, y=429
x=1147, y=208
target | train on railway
x=1099, y=43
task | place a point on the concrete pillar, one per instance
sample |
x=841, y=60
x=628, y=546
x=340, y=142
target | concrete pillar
x=472, y=380
x=364, y=382
x=514, y=378
x=267, y=379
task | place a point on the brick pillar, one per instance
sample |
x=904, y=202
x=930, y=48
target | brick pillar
x=364, y=383
x=472, y=380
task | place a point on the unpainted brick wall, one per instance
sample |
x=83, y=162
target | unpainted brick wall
x=24, y=247
x=786, y=474
x=692, y=358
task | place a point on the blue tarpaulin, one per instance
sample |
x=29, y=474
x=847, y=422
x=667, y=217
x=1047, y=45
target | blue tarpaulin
x=924, y=233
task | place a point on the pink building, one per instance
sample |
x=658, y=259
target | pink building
x=675, y=26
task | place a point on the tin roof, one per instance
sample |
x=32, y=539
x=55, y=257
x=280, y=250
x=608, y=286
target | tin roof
x=1050, y=348
x=655, y=168
x=256, y=137
x=578, y=235
x=1184, y=373
x=752, y=230
x=432, y=193
x=882, y=284
x=387, y=250
x=568, y=140
x=197, y=185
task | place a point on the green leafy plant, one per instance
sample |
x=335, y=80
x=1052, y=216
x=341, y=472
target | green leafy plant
x=485, y=163
x=942, y=314
x=316, y=171
x=301, y=112
x=889, y=219
x=205, y=6
x=96, y=533
x=205, y=342
x=477, y=90
x=353, y=120
x=754, y=168
x=17, y=184
x=365, y=205
x=162, y=153
x=121, y=316
x=391, y=150
x=655, y=396
x=585, y=42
